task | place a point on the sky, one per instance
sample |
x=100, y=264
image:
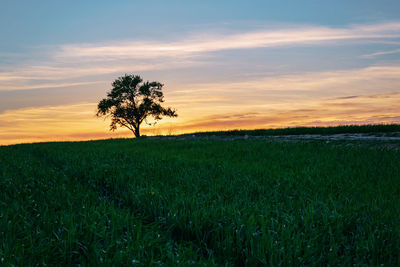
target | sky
x=224, y=64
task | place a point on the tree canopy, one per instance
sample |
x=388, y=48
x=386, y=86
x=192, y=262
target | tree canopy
x=132, y=101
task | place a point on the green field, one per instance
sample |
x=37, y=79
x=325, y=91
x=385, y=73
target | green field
x=199, y=203
x=344, y=129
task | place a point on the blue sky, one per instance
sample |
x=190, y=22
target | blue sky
x=215, y=57
x=24, y=24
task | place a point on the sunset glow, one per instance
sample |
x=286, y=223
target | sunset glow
x=253, y=67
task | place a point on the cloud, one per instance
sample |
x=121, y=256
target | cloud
x=283, y=89
x=361, y=109
x=347, y=97
x=67, y=63
x=192, y=98
x=381, y=53
x=34, y=77
x=12, y=87
x=310, y=35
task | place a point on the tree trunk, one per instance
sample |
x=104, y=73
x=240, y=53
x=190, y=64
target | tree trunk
x=137, y=132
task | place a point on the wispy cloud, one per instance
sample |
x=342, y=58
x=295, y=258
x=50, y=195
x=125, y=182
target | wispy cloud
x=12, y=87
x=297, y=87
x=381, y=108
x=224, y=96
x=381, y=53
x=253, y=39
x=43, y=76
x=88, y=62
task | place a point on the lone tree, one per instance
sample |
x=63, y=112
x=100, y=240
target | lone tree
x=131, y=101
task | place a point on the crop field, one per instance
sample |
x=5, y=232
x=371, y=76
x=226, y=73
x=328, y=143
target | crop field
x=156, y=202
x=383, y=129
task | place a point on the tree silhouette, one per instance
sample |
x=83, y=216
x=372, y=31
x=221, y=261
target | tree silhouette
x=131, y=101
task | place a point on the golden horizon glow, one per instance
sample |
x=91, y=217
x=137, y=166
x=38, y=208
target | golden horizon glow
x=77, y=122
